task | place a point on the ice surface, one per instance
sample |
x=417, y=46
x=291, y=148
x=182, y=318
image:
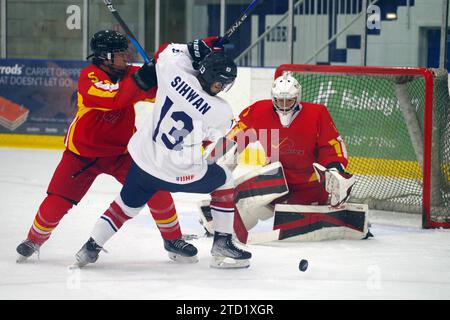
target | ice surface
x=401, y=262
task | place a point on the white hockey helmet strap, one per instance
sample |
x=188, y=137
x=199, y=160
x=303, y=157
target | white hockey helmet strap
x=284, y=88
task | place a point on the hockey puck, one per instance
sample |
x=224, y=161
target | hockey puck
x=303, y=265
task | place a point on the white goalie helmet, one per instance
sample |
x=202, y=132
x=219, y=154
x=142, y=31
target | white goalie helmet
x=286, y=95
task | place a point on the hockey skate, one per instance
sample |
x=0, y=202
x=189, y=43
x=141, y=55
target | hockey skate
x=88, y=253
x=225, y=255
x=26, y=250
x=181, y=251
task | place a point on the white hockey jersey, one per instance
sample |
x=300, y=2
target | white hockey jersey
x=168, y=145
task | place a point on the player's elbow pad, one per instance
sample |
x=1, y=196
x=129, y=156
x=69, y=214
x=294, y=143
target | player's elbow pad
x=145, y=76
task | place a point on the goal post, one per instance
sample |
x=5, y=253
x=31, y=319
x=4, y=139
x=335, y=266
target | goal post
x=395, y=122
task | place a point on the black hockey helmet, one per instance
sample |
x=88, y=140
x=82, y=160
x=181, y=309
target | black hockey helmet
x=105, y=43
x=217, y=67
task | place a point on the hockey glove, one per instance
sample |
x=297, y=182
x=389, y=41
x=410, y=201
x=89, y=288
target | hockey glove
x=200, y=48
x=337, y=183
x=145, y=77
x=214, y=42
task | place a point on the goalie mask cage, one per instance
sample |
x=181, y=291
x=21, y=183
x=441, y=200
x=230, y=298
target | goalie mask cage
x=396, y=126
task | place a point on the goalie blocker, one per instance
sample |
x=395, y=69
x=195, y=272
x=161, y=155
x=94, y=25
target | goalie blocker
x=256, y=190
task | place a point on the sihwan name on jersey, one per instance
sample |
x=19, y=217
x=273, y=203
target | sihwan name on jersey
x=190, y=95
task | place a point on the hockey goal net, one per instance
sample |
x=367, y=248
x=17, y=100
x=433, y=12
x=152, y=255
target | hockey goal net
x=396, y=125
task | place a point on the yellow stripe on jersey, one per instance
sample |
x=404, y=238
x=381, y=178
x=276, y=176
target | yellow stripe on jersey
x=337, y=147
x=82, y=110
x=69, y=142
x=93, y=91
x=313, y=178
x=236, y=129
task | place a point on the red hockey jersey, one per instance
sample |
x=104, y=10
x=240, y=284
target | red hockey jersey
x=105, y=119
x=311, y=137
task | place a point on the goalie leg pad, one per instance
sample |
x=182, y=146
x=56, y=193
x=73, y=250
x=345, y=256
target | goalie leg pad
x=261, y=186
x=254, y=191
x=257, y=189
x=251, y=216
x=314, y=223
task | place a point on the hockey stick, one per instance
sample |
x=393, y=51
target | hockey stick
x=239, y=21
x=127, y=30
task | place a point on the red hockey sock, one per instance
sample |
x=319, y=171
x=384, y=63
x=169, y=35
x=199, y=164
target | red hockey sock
x=164, y=213
x=115, y=216
x=110, y=222
x=50, y=213
x=225, y=214
x=222, y=210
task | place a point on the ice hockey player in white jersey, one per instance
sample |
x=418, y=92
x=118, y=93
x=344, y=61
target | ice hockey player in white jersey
x=167, y=153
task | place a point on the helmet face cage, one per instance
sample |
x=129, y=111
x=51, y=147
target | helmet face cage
x=126, y=53
x=217, y=68
x=286, y=93
x=226, y=82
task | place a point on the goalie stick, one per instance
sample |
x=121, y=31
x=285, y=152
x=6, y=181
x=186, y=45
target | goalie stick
x=127, y=30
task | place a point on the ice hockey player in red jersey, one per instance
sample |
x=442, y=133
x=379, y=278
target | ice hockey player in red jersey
x=303, y=138
x=306, y=134
x=96, y=143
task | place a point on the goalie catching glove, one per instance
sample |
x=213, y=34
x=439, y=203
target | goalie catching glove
x=336, y=182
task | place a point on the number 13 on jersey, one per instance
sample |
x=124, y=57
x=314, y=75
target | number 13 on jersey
x=173, y=139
